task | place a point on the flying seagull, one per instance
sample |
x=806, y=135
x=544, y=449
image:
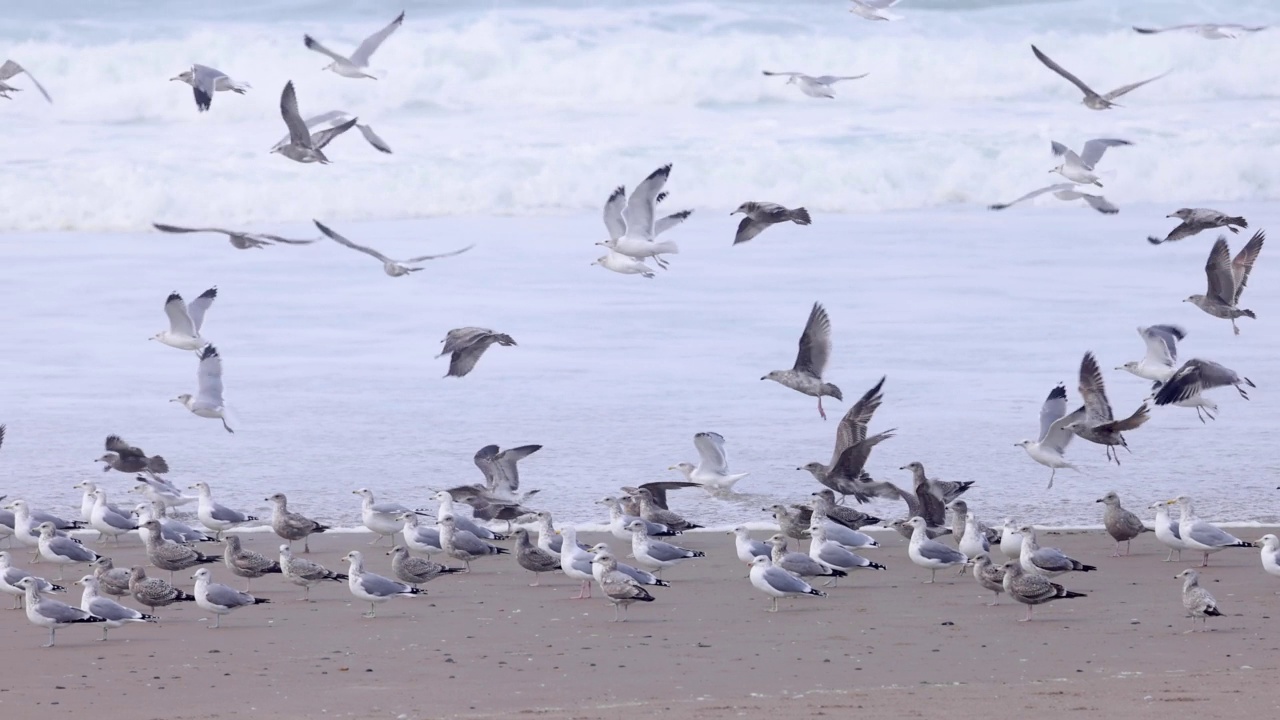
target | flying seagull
x=8, y=70
x=623, y=265
x=1079, y=168
x=815, y=87
x=1195, y=220
x=466, y=345
x=394, y=268
x=207, y=403
x=330, y=121
x=1095, y=422
x=845, y=474
x=1227, y=279
x=874, y=9
x=1054, y=435
x=760, y=215
x=1194, y=377
x=239, y=240
x=1092, y=100
x=186, y=320
x=1209, y=31
x=205, y=81
x=712, y=470
x=355, y=66
x=1066, y=192
x=632, y=228
x=815, y=347
x=302, y=146
x=1162, y=353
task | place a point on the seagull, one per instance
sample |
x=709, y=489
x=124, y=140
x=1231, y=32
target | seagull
x=291, y=525
x=805, y=376
x=220, y=599
x=619, y=263
x=205, y=81
x=1270, y=555
x=1209, y=31
x=874, y=9
x=464, y=346
x=1092, y=100
x=1032, y=589
x=113, y=614
x=760, y=215
x=355, y=66
x=1194, y=377
x=1195, y=220
x=124, y=457
x=304, y=572
x=1122, y=525
x=207, y=403
x=216, y=517
x=1054, y=435
x=374, y=588
x=51, y=613
x=239, y=240
x=1079, y=168
x=931, y=554
x=1160, y=361
x=186, y=320
x=1197, y=601
x=852, y=449
x=815, y=87
x=393, y=268
x=10, y=69
x=501, y=472
x=302, y=145
x=1067, y=192
x=1094, y=421
x=1046, y=561
x=1167, y=530
x=619, y=587
x=776, y=582
x=1227, y=279
x=632, y=229
x=712, y=471
x=989, y=575
x=1199, y=535
x=332, y=120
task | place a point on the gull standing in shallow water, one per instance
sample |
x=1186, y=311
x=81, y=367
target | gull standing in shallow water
x=778, y=583
x=805, y=376
x=1032, y=589
x=1197, y=601
x=301, y=147
x=815, y=87
x=10, y=69
x=205, y=81
x=1092, y=100
x=760, y=215
x=186, y=320
x=1195, y=220
x=1054, y=436
x=356, y=65
x=374, y=588
x=1065, y=192
x=207, y=403
x=633, y=229
x=220, y=599
x=239, y=240
x=393, y=268
x=1227, y=279
x=1122, y=525
x=712, y=471
x=1200, y=535
x=464, y=346
x=1095, y=422
x=1079, y=168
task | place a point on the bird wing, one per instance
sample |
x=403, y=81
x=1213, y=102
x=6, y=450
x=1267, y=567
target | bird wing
x=1162, y=343
x=451, y=253
x=666, y=223
x=1123, y=89
x=326, y=136
x=748, y=229
x=613, y=221
x=1049, y=63
x=362, y=54
x=853, y=426
x=343, y=241
x=313, y=44
x=506, y=461
x=1054, y=407
x=785, y=73
x=815, y=342
x=1034, y=193
x=1153, y=31
x=831, y=79
x=277, y=238
x=1093, y=149
x=1218, y=270
x=711, y=449
x=11, y=68
x=210, y=378
x=1094, y=392
x=1192, y=378
x=851, y=461
x=298, y=133
x=1243, y=264
x=1058, y=437
x=378, y=143
x=179, y=317
x=200, y=305
x=641, y=206
x=123, y=449
x=464, y=361
x=1100, y=203
x=1065, y=152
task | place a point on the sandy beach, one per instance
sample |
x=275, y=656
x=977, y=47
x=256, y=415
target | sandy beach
x=488, y=645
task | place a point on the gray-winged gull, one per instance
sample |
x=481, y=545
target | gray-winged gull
x=656, y=555
x=170, y=529
x=374, y=588
x=620, y=521
x=355, y=65
x=834, y=555
x=960, y=515
x=1186, y=386
x=778, y=583
x=1270, y=546
x=61, y=550
x=1032, y=589
x=798, y=563
x=217, y=518
x=1092, y=99
x=805, y=376
x=616, y=585
x=712, y=470
x=113, y=614
x=644, y=577
x=1197, y=601
x=760, y=215
x=633, y=229
x=462, y=545
x=108, y=521
x=393, y=268
x=1195, y=220
x=1167, y=530
x=51, y=614
x=623, y=265
x=1122, y=525
x=1079, y=168
x=185, y=320
x=650, y=511
x=11, y=69
x=301, y=148
x=745, y=546
x=1047, y=561
x=846, y=474
x=239, y=240
x=821, y=86
x=425, y=540
x=207, y=402
x=1227, y=279
x=10, y=575
x=874, y=9
x=464, y=346
x=461, y=521
x=1010, y=539
x=931, y=554
x=1065, y=192
x=1160, y=361
x=383, y=519
x=220, y=599
x=416, y=570
x=1202, y=536
x=205, y=81
x=1209, y=31
x=575, y=562
x=321, y=126
x=304, y=572
x=111, y=579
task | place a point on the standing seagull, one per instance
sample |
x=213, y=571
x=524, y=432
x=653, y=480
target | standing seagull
x=1195, y=220
x=464, y=346
x=220, y=599
x=394, y=268
x=815, y=87
x=1122, y=525
x=291, y=525
x=1197, y=601
x=811, y=361
x=8, y=70
x=1092, y=100
x=51, y=613
x=874, y=9
x=778, y=583
x=1031, y=589
x=186, y=320
x=374, y=588
x=113, y=614
x=760, y=215
x=301, y=147
x=931, y=554
x=205, y=81
x=1066, y=192
x=1227, y=279
x=301, y=571
x=1200, y=535
x=355, y=66
x=1054, y=436
x=239, y=240
x=633, y=229
x=1079, y=168
x=621, y=589
x=1095, y=422
x=207, y=403
x=712, y=471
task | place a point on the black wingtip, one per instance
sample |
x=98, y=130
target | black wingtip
x=1154, y=240
x=209, y=352
x=211, y=293
x=1059, y=392
x=664, y=171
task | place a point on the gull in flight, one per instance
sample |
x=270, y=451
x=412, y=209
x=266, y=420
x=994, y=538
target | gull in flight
x=874, y=9
x=815, y=87
x=207, y=403
x=1194, y=377
x=466, y=345
x=1209, y=31
x=1095, y=422
x=632, y=229
x=205, y=81
x=712, y=470
x=1160, y=361
x=331, y=125
x=394, y=268
x=355, y=66
x=1079, y=168
x=815, y=348
x=1195, y=220
x=1227, y=279
x=760, y=215
x=8, y=70
x=239, y=240
x=302, y=146
x=1067, y=192
x=1054, y=435
x=186, y=320
x=620, y=263
x=1092, y=100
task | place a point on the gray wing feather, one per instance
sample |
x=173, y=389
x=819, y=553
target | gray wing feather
x=378, y=143
x=225, y=596
x=937, y=551
x=69, y=548
x=59, y=612
x=1051, y=559
x=1211, y=535
x=365, y=51
x=815, y=342
x=222, y=513
x=664, y=552
x=111, y=610
x=298, y=133
x=783, y=581
x=381, y=586
x=1093, y=149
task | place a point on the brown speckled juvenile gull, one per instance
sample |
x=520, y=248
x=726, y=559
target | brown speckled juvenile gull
x=1197, y=601
x=1227, y=279
x=1122, y=525
x=760, y=215
x=291, y=525
x=1195, y=220
x=619, y=587
x=1030, y=589
x=464, y=346
x=805, y=376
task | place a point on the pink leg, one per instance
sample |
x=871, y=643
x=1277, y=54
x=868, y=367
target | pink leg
x=821, y=412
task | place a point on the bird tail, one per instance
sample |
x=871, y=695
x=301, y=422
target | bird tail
x=832, y=390
x=260, y=601
x=1072, y=594
x=320, y=528
x=1089, y=568
x=206, y=559
x=184, y=597
x=1242, y=543
x=501, y=551
x=1154, y=240
x=666, y=248
x=450, y=570
x=696, y=553
x=250, y=517
x=1213, y=612
x=661, y=583
x=877, y=566
x=90, y=619
x=666, y=532
x=157, y=464
x=149, y=618
x=1249, y=314
x=340, y=577
x=838, y=573
x=504, y=340
x=815, y=591
x=799, y=216
x=1237, y=221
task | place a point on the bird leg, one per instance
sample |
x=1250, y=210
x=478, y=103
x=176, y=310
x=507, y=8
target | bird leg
x=1052, y=472
x=1116, y=553
x=584, y=591
x=1205, y=563
x=372, y=611
x=660, y=262
x=1028, y=617
x=52, y=632
x=994, y=602
x=775, y=606
x=535, y=581
x=217, y=621
x=104, y=632
x=376, y=539
x=933, y=574
x=1237, y=331
x=821, y=412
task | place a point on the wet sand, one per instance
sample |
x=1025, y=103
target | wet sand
x=488, y=645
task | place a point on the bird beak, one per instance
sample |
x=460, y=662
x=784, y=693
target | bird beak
x=673, y=467
x=1098, y=500
x=1169, y=216
x=1258, y=543
x=175, y=78
x=904, y=467
x=765, y=377
x=799, y=468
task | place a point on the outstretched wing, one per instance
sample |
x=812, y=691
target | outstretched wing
x=613, y=221
x=1093, y=149
x=1049, y=63
x=451, y=253
x=179, y=319
x=201, y=304
x=1123, y=89
x=815, y=342
x=378, y=143
x=642, y=205
x=1162, y=343
x=210, y=378
x=11, y=68
x=1034, y=193
x=1243, y=264
x=1218, y=270
x=1101, y=204
x=326, y=136
x=362, y=54
x=666, y=223
x=298, y=133
x=312, y=44
x=343, y=241
x=1054, y=407
x=853, y=426
x=831, y=79
x=1094, y=393
x=711, y=449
